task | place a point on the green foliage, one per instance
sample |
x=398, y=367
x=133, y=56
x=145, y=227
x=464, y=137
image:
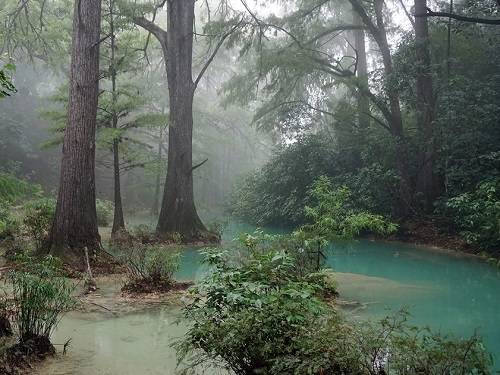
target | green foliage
x=258, y=314
x=151, y=262
x=390, y=346
x=6, y=86
x=277, y=194
x=13, y=189
x=38, y=217
x=332, y=216
x=246, y=314
x=9, y=223
x=477, y=214
x=143, y=233
x=104, y=212
x=40, y=296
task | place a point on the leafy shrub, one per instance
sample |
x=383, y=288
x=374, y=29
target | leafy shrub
x=13, y=188
x=143, y=233
x=389, y=346
x=6, y=86
x=332, y=216
x=152, y=262
x=104, y=212
x=246, y=314
x=40, y=296
x=259, y=315
x=373, y=188
x=477, y=214
x=9, y=223
x=38, y=217
x=217, y=227
x=277, y=193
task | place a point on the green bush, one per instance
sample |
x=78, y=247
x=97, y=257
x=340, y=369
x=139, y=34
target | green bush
x=13, y=188
x=38, y=217
x=332, y=216
x=476, y=214
x=247, y=314
x=104, y=212
x=257, y=314
x=40, y=296
x=389, y=346
x=276, y=194
x=144, y=233
x=9, y=223
x=6, y=86
x=151, y=262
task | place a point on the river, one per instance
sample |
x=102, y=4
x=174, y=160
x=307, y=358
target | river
x=455, y=294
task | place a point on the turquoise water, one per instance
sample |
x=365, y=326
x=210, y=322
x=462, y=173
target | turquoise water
x=448, y=292
x=452, y=293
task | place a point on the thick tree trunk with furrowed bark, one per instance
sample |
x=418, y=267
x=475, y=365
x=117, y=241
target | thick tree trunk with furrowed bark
x=178, y=212
x=75, y=222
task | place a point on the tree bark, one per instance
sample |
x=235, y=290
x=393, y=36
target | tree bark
x=178, y=212
x=393, y=114
x=156, y=199
x=362, y=73
x=75, y=222
x=118, y=219
x=427, y=182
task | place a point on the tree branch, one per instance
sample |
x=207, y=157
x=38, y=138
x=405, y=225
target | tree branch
x=153, y=28
x=408, y=15
x=198, y=165
x=485, y=21
x=214, y=53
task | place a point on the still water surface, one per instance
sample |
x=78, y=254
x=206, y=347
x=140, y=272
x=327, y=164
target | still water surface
x=451, y=293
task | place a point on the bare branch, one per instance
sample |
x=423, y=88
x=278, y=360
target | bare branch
x=198, y=165
x=215, y=51
x=153, y=28
x=485, y=21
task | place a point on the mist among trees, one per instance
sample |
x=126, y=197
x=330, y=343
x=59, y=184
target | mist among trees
x=224, y=153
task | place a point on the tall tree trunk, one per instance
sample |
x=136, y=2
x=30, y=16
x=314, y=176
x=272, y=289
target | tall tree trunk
x=427, y=182
x=362, y=73
x=178, y=212
x=118, y=220
x=75, y=222
x=156, y=199
x=393, y=115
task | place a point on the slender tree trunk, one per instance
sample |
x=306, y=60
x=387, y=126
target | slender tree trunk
x=427, y=182
x=393, y=115
x=75, y=222
x=156, y=199
x=178, y=212
x=396, y=126
x=118, y=219
x=362, y=73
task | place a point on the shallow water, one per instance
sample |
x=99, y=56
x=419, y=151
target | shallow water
x=451, y=293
